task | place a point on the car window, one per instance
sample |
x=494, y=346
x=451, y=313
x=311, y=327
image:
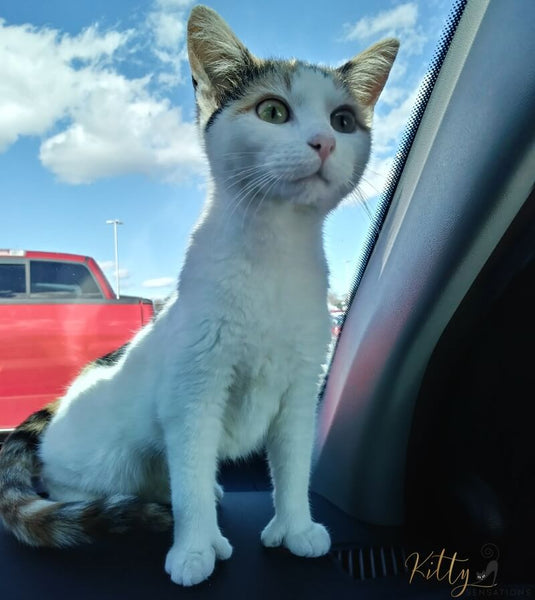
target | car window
x=100, y=155
x=12, y=280
x=67, y=279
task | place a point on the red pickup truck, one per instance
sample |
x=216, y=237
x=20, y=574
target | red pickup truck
x=57, y=313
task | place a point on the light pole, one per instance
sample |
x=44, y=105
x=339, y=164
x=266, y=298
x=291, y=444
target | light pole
x=116, y=222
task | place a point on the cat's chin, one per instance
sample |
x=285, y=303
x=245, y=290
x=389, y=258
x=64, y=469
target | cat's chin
x=314, y=179
x=312, y=191
x=312, y=186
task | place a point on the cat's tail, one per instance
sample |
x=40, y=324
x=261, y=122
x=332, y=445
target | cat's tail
x=37, y=521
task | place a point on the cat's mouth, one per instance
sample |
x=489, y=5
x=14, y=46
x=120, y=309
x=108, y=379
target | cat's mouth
x=317, y=176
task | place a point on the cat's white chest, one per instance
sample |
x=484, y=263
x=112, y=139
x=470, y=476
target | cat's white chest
x=253, y=401
x=280, y=330
x=263, y=291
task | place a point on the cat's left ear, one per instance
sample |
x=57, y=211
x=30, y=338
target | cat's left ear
x=366, y=73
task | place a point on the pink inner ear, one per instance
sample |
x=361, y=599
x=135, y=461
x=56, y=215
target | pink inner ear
x=376, y=89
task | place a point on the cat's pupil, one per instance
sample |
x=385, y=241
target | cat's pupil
x=273, y=111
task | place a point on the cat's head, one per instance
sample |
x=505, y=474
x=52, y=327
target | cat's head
x=283, y=130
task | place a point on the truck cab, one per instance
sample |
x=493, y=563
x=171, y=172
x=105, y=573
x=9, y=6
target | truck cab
x=58, y=312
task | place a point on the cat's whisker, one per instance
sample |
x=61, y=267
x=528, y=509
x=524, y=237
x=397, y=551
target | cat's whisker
x=239, y=169
x=264, y=165
x=238, y=154
x=250, y=186
x=362, y=202
x=259, y=205
x=242, y=196
x=265, y=183
x=245, y=173
x=247, y=177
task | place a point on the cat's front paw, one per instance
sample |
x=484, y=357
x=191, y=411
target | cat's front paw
x=311, y=541
x=189, y=564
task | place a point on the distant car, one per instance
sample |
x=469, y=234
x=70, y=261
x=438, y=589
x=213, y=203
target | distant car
x=336, y=322
x=57, y=313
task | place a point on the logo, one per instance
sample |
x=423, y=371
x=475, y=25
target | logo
x=455, y=570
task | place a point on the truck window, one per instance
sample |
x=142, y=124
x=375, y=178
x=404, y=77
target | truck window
x=12, y=280
x=62, y=279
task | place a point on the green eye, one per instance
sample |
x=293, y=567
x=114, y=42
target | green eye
x=343, y=120
x=273, y=111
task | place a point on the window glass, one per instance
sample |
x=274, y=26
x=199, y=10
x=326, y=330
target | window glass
x=100, y=157
x=50, y=277
x=12, y=280
x=113, y=136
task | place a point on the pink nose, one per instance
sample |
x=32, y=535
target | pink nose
x=324, y=144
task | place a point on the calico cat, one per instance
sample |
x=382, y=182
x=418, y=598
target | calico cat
x=232, y=363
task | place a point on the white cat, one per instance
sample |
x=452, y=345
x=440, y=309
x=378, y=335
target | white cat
x=232, y=363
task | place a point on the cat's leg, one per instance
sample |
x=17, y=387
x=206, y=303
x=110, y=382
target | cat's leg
x=289, y=447
x=192, y=430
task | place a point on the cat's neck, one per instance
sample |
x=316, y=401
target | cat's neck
x=275, y=241
x=269, y=222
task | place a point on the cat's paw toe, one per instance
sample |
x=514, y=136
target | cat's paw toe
x=222, y=547
x=191, y=565
x=273, y=534
x=313, y=541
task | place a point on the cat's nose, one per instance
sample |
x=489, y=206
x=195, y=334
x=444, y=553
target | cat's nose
x=324, y=144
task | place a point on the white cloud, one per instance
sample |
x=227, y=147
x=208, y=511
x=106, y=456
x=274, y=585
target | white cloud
x=166, y=25
x=173, y=4
x=123, y=273
x=374, y=179
x=392, y=95
x=388, y=127
x=95, y=122
x=403, y=16
x=37, y=80
x=159, y=282
x=400, y=21
x=108, y=266
x=121, y=129
x=169, y=29
x=90, y=44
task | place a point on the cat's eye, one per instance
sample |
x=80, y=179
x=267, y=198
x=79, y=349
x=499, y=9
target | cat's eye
x=343, y=120
x=273, y=111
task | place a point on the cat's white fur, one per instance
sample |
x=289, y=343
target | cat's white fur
x=232, y=363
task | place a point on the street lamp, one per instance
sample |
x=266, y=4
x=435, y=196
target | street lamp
x=116, y=222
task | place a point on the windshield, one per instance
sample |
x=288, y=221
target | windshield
x=100, y=157
x=98, y=122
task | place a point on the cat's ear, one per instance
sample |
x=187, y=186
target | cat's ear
x=217, y=57
x=366, y=73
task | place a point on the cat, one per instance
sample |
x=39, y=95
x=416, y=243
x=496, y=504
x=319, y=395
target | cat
x=232, y=363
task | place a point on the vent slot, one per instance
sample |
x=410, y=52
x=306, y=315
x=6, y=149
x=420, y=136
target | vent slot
x=371, y=563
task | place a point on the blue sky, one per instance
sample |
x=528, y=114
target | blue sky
x=97, y=120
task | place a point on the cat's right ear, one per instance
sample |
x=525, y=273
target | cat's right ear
x=216, y=56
